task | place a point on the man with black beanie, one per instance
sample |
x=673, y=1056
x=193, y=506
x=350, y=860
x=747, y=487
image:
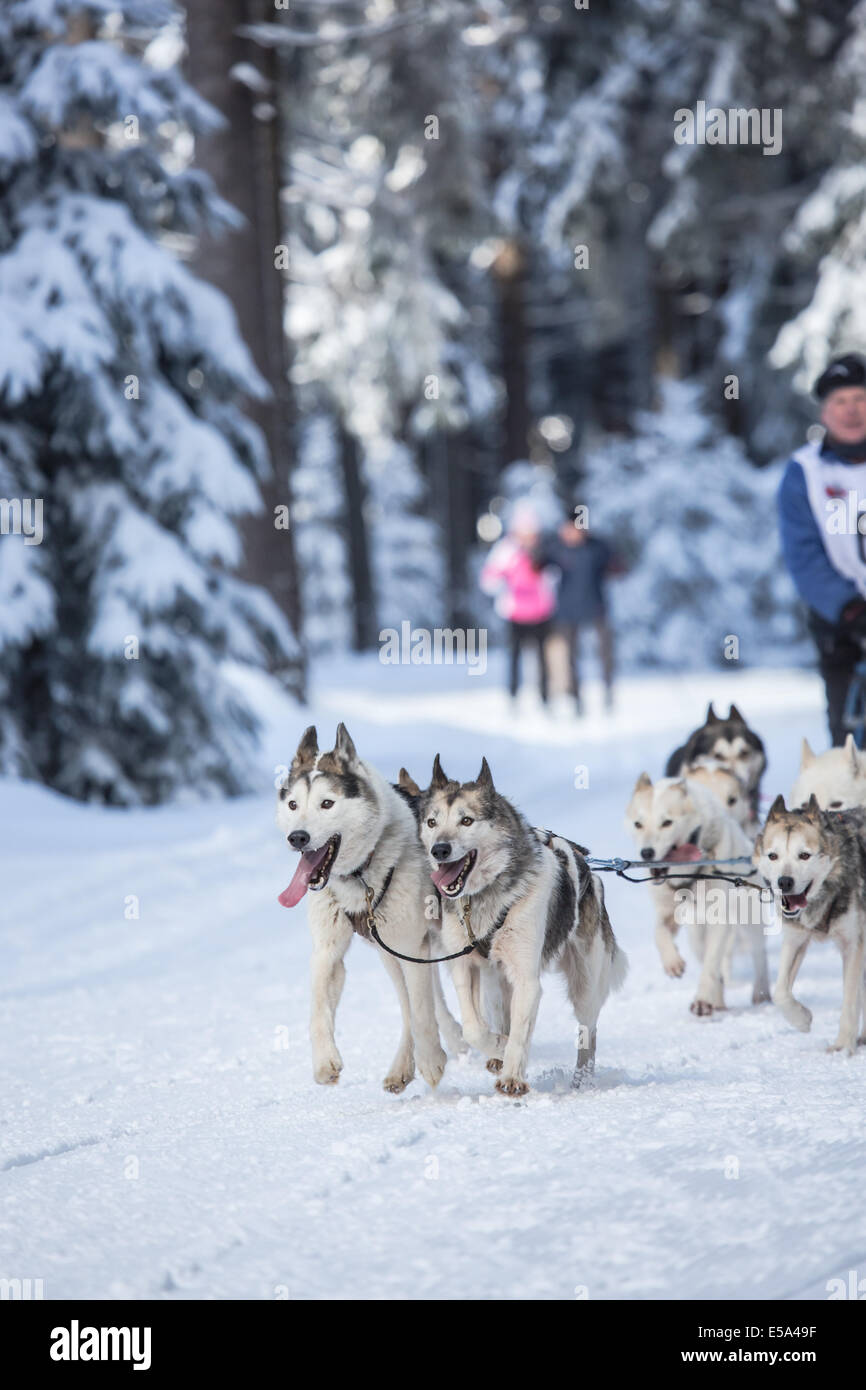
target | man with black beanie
x=822, y=506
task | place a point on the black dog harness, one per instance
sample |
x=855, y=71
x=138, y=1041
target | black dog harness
x=374, y=901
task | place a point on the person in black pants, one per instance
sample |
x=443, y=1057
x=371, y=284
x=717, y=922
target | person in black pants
x=519, y=636
x=822, y=515
x=525, y=595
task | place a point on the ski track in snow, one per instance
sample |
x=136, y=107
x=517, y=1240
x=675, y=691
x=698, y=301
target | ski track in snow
x=162, y=1136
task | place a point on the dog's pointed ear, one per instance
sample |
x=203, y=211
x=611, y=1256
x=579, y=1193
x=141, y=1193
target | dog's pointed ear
x=813, y=809
x=308, y=751
x=851, y=750
x=807, y=757
x=778, y=807
x=712, y=717
x=439, y=778
x=485, y=776
x=643, y=781
x=734, y=713
x=407, y=783
x=344, y=748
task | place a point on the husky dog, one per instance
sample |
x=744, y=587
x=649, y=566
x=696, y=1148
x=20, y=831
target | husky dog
x=530, y=902
x=727, y=789
x=815, y=863
x=680, y=820
x=837, y=778
x=726, y=743
x=352, y=829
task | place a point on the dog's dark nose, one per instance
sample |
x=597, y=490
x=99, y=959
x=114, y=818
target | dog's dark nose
x=441, y=850
x=647, y=854
x=786, y=883
x=298, y=839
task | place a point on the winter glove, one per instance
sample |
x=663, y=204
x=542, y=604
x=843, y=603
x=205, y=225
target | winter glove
x=853, y=619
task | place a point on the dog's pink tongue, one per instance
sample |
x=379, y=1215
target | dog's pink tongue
x=682, y=854
x=307, y=865
x=445, y=875
x=795, y=899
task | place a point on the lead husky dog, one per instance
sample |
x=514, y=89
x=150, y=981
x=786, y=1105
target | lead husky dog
x=352, y=829
x=680, y=820
x=529, y=899
x=815, y=863
x=837, y=777
x=726, y=743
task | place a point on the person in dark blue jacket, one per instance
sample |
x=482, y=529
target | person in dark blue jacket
x=822, y=508
x=584, y=561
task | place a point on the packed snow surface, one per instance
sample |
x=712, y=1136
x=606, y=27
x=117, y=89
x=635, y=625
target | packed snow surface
x=161, y=1134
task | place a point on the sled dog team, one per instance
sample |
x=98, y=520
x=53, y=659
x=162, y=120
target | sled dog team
x=456, y=871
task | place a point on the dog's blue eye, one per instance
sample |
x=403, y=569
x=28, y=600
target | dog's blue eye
x=326, y=805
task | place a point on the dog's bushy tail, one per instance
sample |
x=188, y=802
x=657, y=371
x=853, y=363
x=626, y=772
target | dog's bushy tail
x=618, y=968
x=619, y=959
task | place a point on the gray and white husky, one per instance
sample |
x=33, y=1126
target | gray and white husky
x=353, y=828
x=531, y=901
x=815, y=863
x=724, y=742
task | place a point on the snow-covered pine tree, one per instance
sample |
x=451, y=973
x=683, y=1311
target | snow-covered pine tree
x=694, y=522
x=829, y=230
x=121, y=378
x=383, y=185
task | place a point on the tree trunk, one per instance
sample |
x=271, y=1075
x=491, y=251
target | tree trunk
x=509, y=270
x=363, y=601
x=244, y=159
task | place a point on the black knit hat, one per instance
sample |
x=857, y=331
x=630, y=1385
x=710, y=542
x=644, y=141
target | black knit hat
x=849, y=370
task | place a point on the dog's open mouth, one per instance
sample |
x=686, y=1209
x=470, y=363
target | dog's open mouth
x=678, y=854
x=793, y=903
x=313, y=872
x=450, y=878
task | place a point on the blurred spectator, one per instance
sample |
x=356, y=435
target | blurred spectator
x=584, y=561
x=525, y=594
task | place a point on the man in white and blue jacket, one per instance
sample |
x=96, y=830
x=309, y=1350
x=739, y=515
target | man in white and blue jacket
x=821, y=497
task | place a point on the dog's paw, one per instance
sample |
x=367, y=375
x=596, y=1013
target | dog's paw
x=797, y=1015
x=431, y=1067
x=397, y=1080
x=675, y=967
x=327, y=1072
x=841, y=1044
x=512, y=1086
x=701, y=1008
x=494, y=1064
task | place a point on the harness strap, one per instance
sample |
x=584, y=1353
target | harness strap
x=358, y=874
x=481, y=944
x=373, y=904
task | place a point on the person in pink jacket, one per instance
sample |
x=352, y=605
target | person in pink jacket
x=525, y=594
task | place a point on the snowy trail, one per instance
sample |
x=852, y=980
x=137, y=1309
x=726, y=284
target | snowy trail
x=162, y=1136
